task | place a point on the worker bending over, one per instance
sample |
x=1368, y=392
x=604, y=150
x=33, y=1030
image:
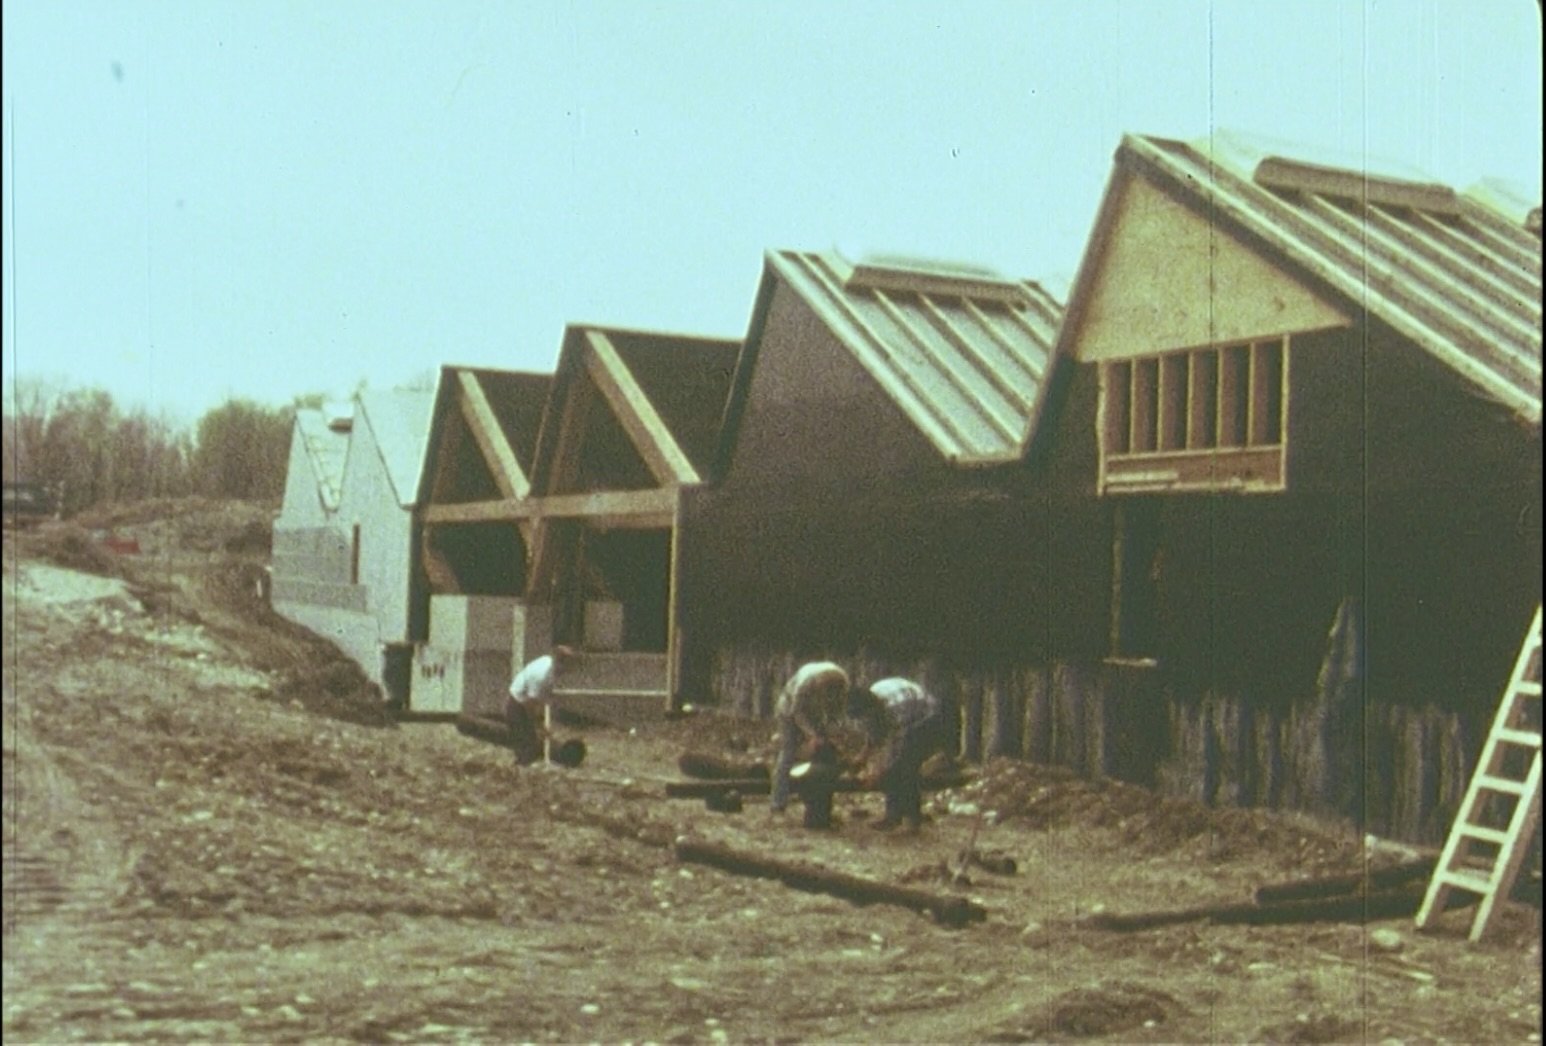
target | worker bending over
x=807, y=708
x=529, y=708
x=902, y=727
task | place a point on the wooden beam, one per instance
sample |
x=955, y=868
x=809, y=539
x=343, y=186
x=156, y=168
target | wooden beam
x=497, y=453
x=441, y=577
x=759, y=783
x=674, y=603
x=445, y=459
x=636, y=509
x=1420, y=869
x=1353, y=907
x=947, y=909
x=637, y=414
x=561, y=474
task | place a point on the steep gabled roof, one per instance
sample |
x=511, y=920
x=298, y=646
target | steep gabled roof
x=687, y=379
x=1457, y=273
x=665, y=394
x=965, y=354
x=326, y=448
x=399, y=419
x=499, y=412
x=517, y=399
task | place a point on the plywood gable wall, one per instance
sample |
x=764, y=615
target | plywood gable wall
x=1168, y=279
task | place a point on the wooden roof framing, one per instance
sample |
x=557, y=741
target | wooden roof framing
x=1454, y=273
x=502, y=464
x=592, y=380
x=644, y=426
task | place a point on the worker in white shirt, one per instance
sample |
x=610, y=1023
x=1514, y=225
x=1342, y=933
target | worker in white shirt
x=807, y=708
x=529, y=707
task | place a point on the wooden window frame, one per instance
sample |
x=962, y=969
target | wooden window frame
x=1213, y=418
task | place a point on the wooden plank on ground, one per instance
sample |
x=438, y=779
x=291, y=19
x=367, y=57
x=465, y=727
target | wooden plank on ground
x=1355, y=907
x=946, y=909
x=1357, y=882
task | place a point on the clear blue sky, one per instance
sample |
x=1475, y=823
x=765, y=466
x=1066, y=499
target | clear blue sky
x=264, y=198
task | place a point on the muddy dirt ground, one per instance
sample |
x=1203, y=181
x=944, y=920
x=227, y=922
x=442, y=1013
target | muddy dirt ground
x=213, y=834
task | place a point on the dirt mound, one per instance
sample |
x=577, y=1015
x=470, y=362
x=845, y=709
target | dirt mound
x=1106, y=1009
x=71, y=546
x=191, y=524
x=335, y=688
x=1053, y=797
x=254, y=537
x=1324, y=1027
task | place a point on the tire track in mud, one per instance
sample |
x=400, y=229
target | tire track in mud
x=58, y=862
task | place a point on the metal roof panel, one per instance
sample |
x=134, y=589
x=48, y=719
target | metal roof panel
x=326, y=448
x=964, y=354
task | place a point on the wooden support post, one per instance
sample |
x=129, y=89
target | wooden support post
x=704, y=789
x=1358, y=907
x=486, y=728
x=705, y=766
x=755, y=785
x=947, y=909
x=1358, y=882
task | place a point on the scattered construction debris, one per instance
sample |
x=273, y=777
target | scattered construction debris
x=953, y=778
x=993, y=861
x=704, y=789
x=1389, y=893
x=495, y=731
x=965, y=857
x=706, y=767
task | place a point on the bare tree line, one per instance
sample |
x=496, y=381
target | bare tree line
x=88, y=450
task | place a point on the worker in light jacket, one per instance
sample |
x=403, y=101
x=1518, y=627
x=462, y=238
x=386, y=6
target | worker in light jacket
x=902, y=726
x=528, y=708
x=810, y=703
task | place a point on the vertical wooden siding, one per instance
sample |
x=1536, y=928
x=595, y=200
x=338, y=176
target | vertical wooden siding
x=1388, y=769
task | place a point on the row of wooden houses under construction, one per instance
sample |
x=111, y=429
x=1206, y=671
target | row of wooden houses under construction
x=1255, y=516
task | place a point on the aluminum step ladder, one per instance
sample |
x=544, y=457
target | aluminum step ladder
x=1502, y=807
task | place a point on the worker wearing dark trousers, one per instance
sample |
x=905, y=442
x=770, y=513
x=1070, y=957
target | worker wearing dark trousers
x=902, y=728
x=815, y=781
x=529, y=703
x=806, y=709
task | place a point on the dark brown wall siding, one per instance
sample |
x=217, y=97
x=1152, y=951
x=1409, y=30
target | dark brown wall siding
x=1393, y=770
x=815, y=419
x=1408, y=498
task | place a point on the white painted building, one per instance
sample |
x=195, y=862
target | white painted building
x=344, y=539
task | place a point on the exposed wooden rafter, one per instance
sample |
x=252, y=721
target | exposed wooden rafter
x=497, y=452
x=450, y=438
x=654, y=442
x=441, y=577
x=543, y=559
